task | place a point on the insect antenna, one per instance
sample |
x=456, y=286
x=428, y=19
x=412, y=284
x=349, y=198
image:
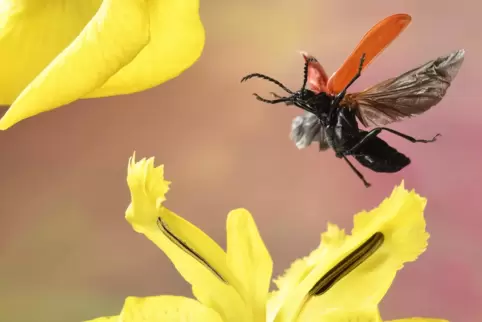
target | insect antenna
x=272, y=80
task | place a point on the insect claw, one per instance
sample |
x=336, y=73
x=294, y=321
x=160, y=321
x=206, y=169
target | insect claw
x=311, y=60
x=431, y=140
x=435, y=137
x=259, y=98
x=274, y=95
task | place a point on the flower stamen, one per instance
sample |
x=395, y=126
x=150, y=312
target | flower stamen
x=181, y=244
x=348, y=264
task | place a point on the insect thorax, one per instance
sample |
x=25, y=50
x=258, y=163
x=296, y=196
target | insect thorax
x=316, y=103
x=322, y=103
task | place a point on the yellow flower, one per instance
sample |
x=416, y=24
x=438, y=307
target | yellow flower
x=343, y=280
x=57, y=51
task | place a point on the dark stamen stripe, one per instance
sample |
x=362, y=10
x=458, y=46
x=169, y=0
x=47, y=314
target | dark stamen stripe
x=348, y=264
x=181, y=244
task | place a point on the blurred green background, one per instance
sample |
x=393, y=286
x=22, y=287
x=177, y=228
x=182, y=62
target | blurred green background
x=66, y=251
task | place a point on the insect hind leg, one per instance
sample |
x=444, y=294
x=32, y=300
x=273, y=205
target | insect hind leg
x=407, y=137
x=357, y=172
x=377, y=131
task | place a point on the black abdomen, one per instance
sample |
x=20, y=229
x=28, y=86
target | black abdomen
x=378, y=156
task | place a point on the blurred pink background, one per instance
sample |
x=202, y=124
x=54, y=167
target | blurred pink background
x=66, y=251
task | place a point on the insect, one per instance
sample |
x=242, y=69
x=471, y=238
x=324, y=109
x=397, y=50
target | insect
x=331, y=114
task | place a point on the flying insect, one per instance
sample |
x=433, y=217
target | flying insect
x=331, y=114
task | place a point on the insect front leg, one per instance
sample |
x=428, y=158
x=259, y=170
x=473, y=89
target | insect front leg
x=305, y=73
x=377, y=131
x=341, y=95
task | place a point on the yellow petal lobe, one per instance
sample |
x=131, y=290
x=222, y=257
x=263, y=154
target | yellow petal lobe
x=166, y=309
x=249, y=260
x=199, y=259
x=366, y=315
x=148, y=190
x=147, y=215
x=176, y=41
x=300, y=269
x=399, y=220
x=111, y=39
x=419, y=320
x=115, y=318
x=32, y=34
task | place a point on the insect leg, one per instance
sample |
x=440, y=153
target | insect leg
x=275, y=101
x=305, y=74
x=405, y=136
x=358, y=173
x=377, y=131
x=340, y=96
x=275, y=95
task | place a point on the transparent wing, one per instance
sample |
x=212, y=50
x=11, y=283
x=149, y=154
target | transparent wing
x=306, y=129
x=407, y=95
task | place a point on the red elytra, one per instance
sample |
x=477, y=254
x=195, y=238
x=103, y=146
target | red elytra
x=372, y=44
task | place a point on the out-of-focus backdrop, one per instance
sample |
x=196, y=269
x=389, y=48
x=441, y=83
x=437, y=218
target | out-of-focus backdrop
x=66, y=251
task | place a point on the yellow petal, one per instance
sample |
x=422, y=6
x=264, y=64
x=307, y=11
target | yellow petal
x=300, y=268
x=249, y=260
x=394, y=234
x=115, y=318
x=147, y=215
x=112, y=38
x=200, y=260
x=176, y=42
x=365, y=315
x=32, y=34
x=419, y=320
x=166, y=309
